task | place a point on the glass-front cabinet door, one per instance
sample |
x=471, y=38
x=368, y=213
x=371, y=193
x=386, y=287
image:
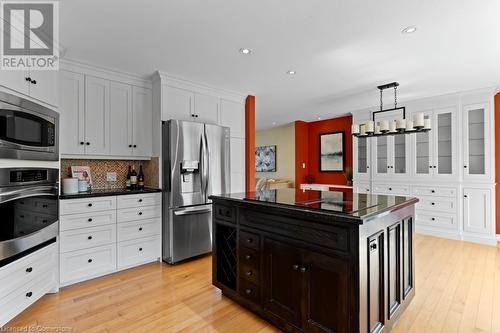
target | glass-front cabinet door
x=399, y=145
x=444, y=141
x=381, y=155
x=391, y=155
x=361, y=158
x=477, y=142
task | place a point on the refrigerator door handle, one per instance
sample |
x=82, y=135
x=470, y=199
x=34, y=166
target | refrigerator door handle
x=193, y=210
x=207, y=166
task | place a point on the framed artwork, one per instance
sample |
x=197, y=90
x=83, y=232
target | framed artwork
x=332, y=157
x=265, y=159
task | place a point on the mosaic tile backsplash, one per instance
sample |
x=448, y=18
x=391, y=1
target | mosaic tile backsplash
x=99, y=168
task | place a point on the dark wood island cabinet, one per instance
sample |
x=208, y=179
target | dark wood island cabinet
x=310, y=261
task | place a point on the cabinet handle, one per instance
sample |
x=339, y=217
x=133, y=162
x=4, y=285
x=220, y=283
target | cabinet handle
x=33, y=81
x=130, y=146
x=248, y=291
x=430, y=166
x=29, y=294
x=89, y=238
x=295, y=267
x=249, y=240
x=432, y=203
x=28, y=79
x=248, y=257
x=465, y=195
x=88, y=143
x=89, y=261
x=90, y=219
x=140, y=229
x=140, y=249
x=390, y=188
x=432, y=191
x=249, y=273
x=90, y=205
x=368, y=167
x=373, y=246
x=434, y=167
x=29, y=269
x=303, y=269
x=135, y=146
x=140, y=200
x=82, y=143
x=140, y=213
x=465, y=166
x=196, y=116
x=433, y=219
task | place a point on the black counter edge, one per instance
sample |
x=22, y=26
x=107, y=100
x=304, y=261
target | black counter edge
x=107, y=194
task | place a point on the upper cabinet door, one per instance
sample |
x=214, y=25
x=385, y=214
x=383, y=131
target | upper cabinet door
x=120, y=129
x=43, y=86
x=423, y=157
x=477, y=142
x=206, y=108
x=361, y=158
x=15, y=80
x=178, y=104
x=381, y=155
x=72, y=113
x=232, y=115
x=97, y=119
x=444, y=129
x=399, y=154
x=143, y=122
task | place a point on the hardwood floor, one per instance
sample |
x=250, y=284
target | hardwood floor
x=457, y=290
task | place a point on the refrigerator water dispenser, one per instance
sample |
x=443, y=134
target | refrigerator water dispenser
x=190, y=175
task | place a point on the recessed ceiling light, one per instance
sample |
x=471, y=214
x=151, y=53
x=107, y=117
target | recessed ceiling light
x=245, y=51
x=409, y=30
x=319, y=118
x=274, y=123
x=291, y=72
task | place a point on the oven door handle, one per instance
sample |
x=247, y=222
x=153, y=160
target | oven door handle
x=26, y=192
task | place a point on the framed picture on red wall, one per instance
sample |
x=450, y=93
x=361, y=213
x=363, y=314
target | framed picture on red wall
x=332, y=157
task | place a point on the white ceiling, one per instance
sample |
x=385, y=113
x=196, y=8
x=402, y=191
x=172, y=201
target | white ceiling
x=341, y=50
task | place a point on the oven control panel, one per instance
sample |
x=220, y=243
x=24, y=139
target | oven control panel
x=28, y=176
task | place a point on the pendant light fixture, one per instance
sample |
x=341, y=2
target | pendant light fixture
x=400, y=125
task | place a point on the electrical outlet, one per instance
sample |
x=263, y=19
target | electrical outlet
x=111, y=176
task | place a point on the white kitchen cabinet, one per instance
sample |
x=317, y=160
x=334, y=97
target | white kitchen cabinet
x=142, y=122
x=206, y=108
x=178, y=103
x=44, y=85
x=477, y=218
x=15, y=80
x=232, y=115
x=391, y=156
x=72, y=113
x=361, y=158
x=477, y=142
x=237, y=158
x=436, y=150
x=361, y=187
x=97, y=116
x=120, y=129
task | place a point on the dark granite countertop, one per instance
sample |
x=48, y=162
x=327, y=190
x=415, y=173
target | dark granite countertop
x=107, y=192
x=342, y=202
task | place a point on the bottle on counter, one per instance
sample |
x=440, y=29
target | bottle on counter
x=140, y=179
x=133, y=179
x=129, y=173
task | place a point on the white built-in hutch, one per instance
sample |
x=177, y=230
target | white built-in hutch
x=450, y=168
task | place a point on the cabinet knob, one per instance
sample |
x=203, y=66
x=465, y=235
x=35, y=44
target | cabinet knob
x=140, y=249
x=33, y=81
x=29, y=269
x=88, y=143
x=373, y=246
x=140, y=229
x=90, y=205
x=90, y=219
x=192, y=115
x=295, y=267
x=130, y=146
x=434, y=166
x=433, y=219
x=89, y=261
x=135, y=146
x=196, y=116
x=465, y=195
x=430, y=166
x=249, y=273
x=248, y=291
x=303, y=269
x=140, y=200
x=140, y=213
x=248, y=257
x=249, y=240
x=28, y=79
x=368, y=167
x=390, y=188
x=432, y=191
x=465, y=166
x=29, y=294
x=432, y=203
x=82, y=143
x=89, y=238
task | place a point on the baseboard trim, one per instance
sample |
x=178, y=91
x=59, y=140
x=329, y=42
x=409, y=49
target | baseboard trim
x=485, y=240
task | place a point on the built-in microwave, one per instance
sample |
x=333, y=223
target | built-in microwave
x=28, y=131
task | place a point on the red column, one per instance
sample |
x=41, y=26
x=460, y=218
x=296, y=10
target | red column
x=250, y=144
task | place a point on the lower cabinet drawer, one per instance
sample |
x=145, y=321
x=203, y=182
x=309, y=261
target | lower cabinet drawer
x=29, y=268
x=139, y=229
x=250, y=240
x=85, y=220
x=436, y=220
x=86, y=205
x=249, y=291
x=391, y=189
x=139, y=213
x=435, y=191
x=23, y=296
x=138, y=251
x=88, y=263
x=88, y=237
x=448, y=205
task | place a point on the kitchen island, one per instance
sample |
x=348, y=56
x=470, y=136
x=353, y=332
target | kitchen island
x=313, y=261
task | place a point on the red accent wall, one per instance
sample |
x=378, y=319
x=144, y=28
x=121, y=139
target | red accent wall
x=307, y=149
x=250, y=143
x=497, y=159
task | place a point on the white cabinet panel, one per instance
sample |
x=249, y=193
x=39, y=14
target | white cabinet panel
x=44, y=86
x=139, y=213
x=97, y=120
x=15, y=80
x=138, y=200
x=137, y=251
x=80, y=239
x=477, y=142
x=82, y=264
x=120, y=129
x=87, y=205
x=139, y=229
x=72, y=113
x=86, y=220
x=232, y=115
x=477, y=210
x=206, y=108
x=391, y=189
x=177, y=104
x=142, y=122
x=436, y=220
x=436, y=190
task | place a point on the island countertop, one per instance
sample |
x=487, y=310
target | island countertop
x=342, y=203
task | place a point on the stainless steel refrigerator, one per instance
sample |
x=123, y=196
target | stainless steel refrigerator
x=195, y=165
